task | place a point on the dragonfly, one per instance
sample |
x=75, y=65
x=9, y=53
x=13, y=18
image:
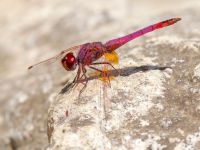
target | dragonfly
x=89, y=53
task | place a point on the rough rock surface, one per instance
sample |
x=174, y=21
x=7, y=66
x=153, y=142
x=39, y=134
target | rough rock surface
x=153, y=104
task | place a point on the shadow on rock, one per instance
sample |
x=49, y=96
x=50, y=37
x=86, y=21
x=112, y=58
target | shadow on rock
x=119, y=72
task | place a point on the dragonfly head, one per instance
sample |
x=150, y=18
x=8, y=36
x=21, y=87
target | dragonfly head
x=69, y=62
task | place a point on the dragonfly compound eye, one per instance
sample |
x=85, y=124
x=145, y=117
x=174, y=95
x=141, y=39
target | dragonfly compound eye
x=69, y=62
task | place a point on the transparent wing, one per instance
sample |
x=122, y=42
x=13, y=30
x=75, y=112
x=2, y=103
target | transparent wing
x=112, y=57
x=52, y=67
x=104, y=76
x=54, y=58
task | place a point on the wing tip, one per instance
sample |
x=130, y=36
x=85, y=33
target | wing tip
x=30, y=67
x=177, y=19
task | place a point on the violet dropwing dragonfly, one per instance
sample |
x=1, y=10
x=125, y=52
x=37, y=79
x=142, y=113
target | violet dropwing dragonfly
x=89, y=53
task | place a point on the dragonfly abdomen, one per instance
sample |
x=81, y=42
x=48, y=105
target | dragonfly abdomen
x=116, y=43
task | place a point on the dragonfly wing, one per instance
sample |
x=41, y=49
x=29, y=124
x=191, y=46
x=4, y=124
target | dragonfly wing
x=54, y=58
x=112, y=57
x=52, y=67
x=104, y=76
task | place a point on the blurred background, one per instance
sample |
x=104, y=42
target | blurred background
x=33, y=30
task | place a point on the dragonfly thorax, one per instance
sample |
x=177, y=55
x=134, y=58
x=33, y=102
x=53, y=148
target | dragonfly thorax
x=69, y=62
x=90, y=52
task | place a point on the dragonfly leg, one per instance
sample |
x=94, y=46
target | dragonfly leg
x=102, y=72
x=96, y=69
x=77, y=77
x=106, y=63
x=85, y=78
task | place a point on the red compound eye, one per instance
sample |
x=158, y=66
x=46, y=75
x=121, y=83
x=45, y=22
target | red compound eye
x=69, y=62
